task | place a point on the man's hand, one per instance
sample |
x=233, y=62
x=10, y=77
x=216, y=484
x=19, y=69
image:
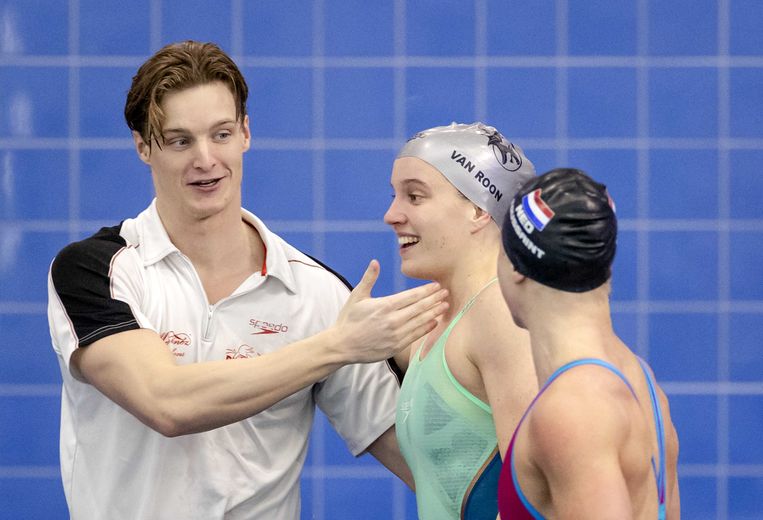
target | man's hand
x=373, y=329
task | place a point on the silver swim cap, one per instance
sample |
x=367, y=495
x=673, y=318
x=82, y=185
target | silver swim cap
x=477, y=160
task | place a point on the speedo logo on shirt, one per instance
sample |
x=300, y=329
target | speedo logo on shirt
x=265, y=327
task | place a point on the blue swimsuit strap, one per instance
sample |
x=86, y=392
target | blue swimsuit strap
x=659, y=475
x=660, y=427
x=591, y=361
x=559, y=371
x=658, y=421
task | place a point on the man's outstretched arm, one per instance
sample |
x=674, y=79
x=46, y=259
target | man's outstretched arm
x=135, y=369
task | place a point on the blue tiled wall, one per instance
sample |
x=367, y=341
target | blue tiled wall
x=663, y=101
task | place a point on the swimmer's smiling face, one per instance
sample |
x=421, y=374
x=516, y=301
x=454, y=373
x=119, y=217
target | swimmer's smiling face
x=430, y=218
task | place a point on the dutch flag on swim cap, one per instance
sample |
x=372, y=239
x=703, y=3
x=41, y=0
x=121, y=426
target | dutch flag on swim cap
x=536, y=209
x=579, y=236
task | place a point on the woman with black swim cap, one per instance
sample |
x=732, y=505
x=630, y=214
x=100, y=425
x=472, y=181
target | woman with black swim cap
x=597, y=441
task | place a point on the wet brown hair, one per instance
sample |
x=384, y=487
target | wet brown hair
x=175, y=67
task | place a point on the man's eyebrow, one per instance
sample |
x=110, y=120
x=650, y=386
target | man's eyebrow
x=181, y=130
x=225, y=122
x=175, y=131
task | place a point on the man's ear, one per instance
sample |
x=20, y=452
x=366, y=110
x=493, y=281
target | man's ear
x=517, y=277
x=143, y=149
x=247, y=133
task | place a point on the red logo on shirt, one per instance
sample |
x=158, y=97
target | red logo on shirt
x=264, y=327
x=176, y=341
x=241, y=352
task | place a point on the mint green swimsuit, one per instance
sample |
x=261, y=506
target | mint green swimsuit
x=447, y=436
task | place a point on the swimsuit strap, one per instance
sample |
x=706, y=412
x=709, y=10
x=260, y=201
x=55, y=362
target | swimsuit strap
x=466, y=307
x=458, y=316
x=660, y=427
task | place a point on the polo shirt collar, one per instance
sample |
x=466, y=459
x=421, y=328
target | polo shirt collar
x=156, y=245
x=155, y=242
x=276, y=262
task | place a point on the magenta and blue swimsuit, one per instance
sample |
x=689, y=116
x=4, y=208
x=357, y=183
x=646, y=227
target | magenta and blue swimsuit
x=512, y=503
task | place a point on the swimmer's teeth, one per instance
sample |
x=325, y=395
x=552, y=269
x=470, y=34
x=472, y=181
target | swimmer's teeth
x=404, y=241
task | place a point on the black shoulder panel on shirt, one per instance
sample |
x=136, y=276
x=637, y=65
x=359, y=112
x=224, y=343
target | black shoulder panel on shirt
x=396, y=370
x=81, y=278
x=327, y=268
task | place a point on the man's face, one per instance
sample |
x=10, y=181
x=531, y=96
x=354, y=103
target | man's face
x=198, y=169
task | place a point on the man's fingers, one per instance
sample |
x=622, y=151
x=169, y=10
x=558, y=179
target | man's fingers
x=409, y=297
x=421, y=305
x=366, y=283
x=422, y=324
x=417, y=334
x=419, y=318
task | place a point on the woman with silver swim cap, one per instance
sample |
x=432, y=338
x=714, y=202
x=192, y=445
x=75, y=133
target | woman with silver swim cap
x=468, y=382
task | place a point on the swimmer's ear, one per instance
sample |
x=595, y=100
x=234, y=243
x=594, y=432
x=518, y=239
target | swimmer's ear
x=517, y=277
x=480, y=218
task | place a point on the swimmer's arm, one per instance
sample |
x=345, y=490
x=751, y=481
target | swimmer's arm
x=386, y=450
x=673, y=499
x=576, y=450
x=501, y=352
x=673, y=506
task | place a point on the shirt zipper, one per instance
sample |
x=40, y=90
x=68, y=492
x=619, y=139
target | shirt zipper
x=210, y=311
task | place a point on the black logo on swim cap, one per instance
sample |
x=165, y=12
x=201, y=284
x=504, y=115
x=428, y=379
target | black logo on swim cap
x=418, y=135
x=509, y=158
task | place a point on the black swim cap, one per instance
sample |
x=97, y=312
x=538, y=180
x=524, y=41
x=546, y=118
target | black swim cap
x=561, y=231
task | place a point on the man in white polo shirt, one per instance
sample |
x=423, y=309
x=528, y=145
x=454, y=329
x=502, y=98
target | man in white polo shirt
x=194, y=343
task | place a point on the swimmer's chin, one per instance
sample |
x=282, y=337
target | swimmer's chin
x=413, y=272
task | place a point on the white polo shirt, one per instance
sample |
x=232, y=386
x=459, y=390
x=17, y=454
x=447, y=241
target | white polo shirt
x=113, y=466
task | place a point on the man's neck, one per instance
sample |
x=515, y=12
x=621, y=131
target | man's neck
x=223, y=249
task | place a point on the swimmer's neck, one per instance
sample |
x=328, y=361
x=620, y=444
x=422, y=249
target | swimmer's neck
x=462, y=289
x=558, y=339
